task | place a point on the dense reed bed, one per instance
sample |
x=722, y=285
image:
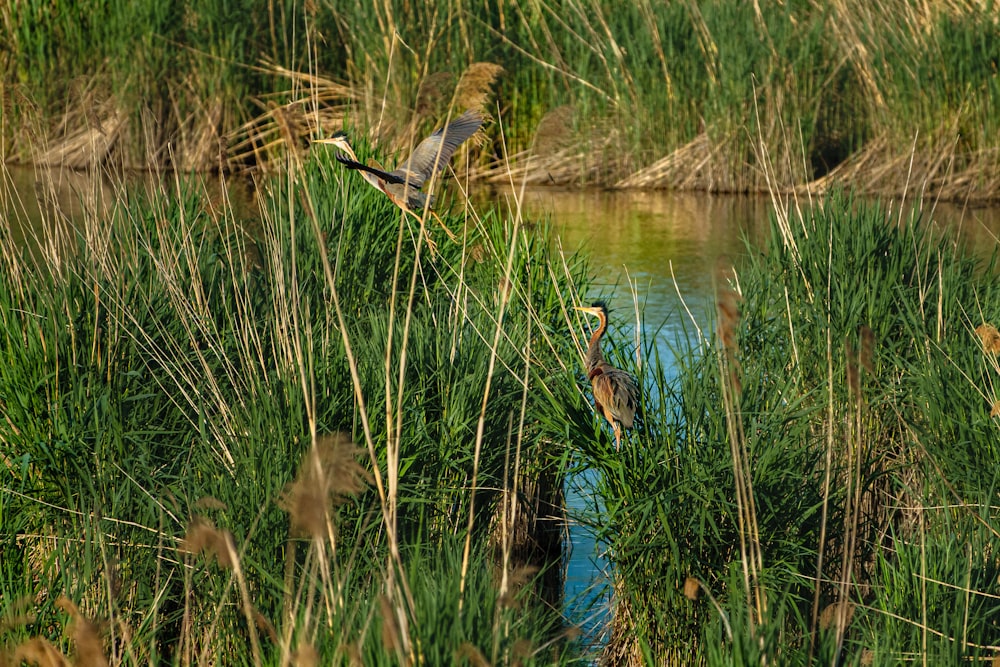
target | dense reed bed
x=818, y=484
x=305, y=440
x=637, y=94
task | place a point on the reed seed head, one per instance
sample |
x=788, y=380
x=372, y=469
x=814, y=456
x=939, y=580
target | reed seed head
x=40, y=652
x=990, y=337
x=203, y=537
x=853, y=375
x=867, y=348
x=554, y=132
x=692, y=589
x=328, y=473
x=432, y=95
x=516, y=581
x=473, y=89
x=89, y=649
x=390, y=628
x=471, y=654
x=264, y=625
x=305, y=655
x=835, y=614
x=209, y=503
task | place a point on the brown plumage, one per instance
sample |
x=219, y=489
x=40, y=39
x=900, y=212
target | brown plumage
x=616, y=392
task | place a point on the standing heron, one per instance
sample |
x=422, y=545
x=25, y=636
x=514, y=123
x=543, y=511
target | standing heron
x=616, y=393
x=402, y=184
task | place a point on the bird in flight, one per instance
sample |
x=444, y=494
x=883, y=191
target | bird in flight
x=402, y=185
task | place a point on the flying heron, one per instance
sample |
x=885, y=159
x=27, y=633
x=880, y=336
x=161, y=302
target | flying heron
x=402, y=184
x=616, y=393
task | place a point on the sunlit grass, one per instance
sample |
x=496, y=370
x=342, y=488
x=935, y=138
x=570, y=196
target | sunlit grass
x=815, y=482
x=678, y=95
x=292, y=441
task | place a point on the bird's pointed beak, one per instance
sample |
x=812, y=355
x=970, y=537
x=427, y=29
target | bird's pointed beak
x=587, y=309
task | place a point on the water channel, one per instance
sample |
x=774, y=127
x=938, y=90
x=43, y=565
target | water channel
x=655, y=248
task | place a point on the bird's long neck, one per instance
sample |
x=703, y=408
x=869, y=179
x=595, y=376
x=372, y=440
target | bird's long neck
x=594, y=356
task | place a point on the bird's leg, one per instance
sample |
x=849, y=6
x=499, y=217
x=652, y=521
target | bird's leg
x=431, y=245
x=451, y=235
x=618, y=436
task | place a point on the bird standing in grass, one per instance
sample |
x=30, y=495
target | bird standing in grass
x=402, y=184
x=616, y=392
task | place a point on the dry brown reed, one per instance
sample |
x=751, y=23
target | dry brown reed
x=89, y=647
x=328, y=474
x=467, y=651
x=203, y=537
x=199, y=145
x=475, y=87
x=752, y=560
x=990, y=338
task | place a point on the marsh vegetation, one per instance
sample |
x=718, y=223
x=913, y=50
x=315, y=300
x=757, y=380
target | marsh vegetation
x=677, y=95
x=312, y=438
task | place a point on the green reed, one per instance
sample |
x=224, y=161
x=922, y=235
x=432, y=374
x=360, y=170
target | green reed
x=822, y=86
x=176, y=373
x=858, y=396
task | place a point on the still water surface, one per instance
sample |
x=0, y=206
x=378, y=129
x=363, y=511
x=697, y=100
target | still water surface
x=651, y=247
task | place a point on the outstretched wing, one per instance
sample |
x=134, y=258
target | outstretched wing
x=434, y=152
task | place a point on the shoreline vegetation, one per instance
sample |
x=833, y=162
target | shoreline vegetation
x=876, y=98
x=315, y=440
